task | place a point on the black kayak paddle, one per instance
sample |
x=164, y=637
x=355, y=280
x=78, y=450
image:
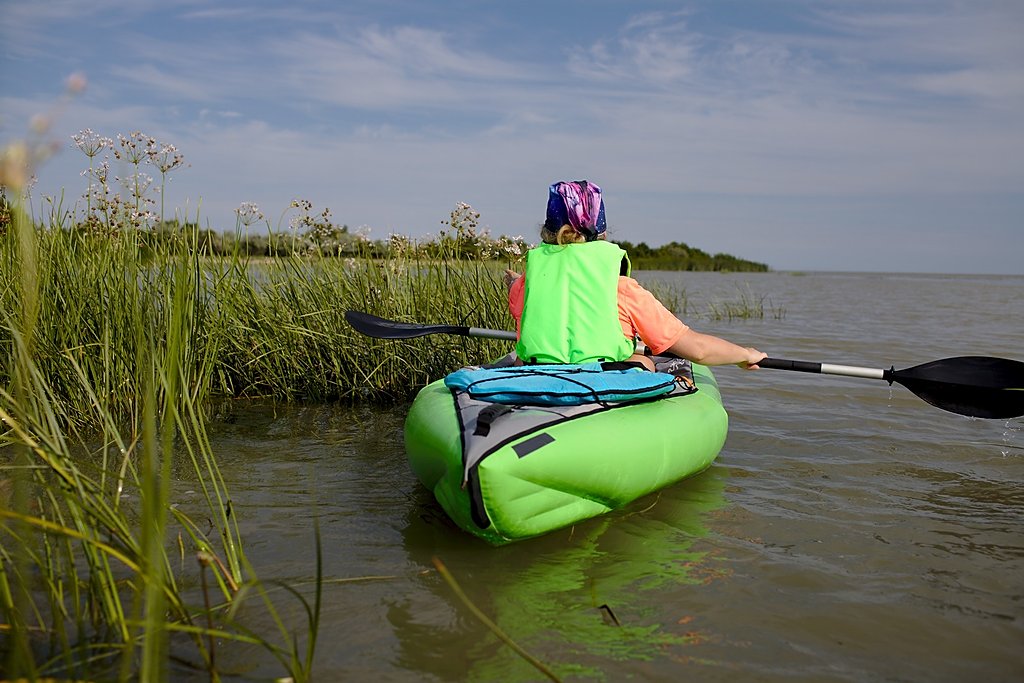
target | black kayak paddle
x=382, y=328
x=976, y=386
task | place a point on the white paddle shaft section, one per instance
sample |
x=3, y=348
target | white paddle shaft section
x=851, y=371
x=823, y=368
x=490, y=334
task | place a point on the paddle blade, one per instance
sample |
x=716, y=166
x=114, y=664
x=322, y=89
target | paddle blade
x=382, y=328
x=976, y=386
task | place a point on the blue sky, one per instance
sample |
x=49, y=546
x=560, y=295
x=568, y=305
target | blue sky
x=808, y=134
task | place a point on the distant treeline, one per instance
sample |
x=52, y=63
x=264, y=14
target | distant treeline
x=341, y=242
x=462, y=241
x=679, y=256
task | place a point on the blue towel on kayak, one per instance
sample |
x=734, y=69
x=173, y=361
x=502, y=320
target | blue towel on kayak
x=570, y=384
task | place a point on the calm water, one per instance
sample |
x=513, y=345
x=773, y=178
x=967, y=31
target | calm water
x=848, y=531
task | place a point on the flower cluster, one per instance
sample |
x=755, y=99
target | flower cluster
x=464, y=220
x=319, y=232
x=511, y=249
x=465, y=239
x=167, y=158
x=322, y=230
x=303, y=219
x=131, y=205
x=134, y=147
x=399, y=244
x=91, y=143
x=248, y=213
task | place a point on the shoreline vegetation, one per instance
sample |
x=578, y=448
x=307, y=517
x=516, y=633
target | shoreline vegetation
x=324, y=238
x=118, y=327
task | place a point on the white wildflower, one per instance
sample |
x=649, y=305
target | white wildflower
x=91, y=143
x=248, y=213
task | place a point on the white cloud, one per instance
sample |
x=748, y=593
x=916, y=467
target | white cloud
x=991, y=84
x=172, y=85
x=377, y=68
x=691, y=124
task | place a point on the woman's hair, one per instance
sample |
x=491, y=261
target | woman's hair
x=565, y=235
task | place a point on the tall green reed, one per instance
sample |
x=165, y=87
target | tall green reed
x=745, y=306
x=282, y=332
x=110, y=349
x=86, y=580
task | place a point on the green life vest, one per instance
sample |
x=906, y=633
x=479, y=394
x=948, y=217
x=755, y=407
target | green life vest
x=570, y=304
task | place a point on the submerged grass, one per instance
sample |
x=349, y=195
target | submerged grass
x=745, y=306
x=491, y=626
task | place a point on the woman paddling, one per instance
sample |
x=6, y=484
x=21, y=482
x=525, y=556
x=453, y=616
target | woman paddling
x=576, y=303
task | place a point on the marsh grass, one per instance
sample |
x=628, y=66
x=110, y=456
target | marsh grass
x=283, y=333
x=109, y=350
x=745, y=306
x=675, y=298
x=103, y=393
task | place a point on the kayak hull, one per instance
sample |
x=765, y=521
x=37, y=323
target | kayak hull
x=563, y=470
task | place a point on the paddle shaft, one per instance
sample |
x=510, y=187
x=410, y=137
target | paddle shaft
x=490, y=334
x=382, y=328
x=977, y=386
x=824, y=368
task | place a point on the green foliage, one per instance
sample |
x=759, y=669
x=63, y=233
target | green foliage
x=101, y=392
x=259, y=325
x=282, y=332
x=679, y=256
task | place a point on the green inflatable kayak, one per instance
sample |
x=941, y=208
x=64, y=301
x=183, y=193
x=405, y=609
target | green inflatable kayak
x=506, y=473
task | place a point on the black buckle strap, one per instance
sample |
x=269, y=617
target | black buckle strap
x=486, y=417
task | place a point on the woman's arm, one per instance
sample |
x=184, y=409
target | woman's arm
x=710, y=350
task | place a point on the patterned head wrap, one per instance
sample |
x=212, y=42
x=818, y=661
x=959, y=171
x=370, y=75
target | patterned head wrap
x=578, y=204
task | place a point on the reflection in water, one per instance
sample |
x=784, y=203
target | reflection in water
x=574, y=599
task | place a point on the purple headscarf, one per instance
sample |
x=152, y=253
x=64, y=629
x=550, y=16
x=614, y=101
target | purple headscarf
x=578, y=204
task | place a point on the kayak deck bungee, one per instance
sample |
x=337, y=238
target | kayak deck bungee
x=509, y=472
